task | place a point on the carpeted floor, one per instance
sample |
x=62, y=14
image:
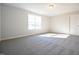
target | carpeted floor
x=41, y=45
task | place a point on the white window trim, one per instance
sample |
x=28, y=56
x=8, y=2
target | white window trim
x=35, y=28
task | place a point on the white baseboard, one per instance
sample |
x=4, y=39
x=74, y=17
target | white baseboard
x=7, y=38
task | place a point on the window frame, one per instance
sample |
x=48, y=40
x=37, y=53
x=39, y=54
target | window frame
x=35, y=17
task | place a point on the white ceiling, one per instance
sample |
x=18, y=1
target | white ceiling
x=42, y=8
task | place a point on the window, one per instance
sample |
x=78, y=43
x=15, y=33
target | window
x=34, y=21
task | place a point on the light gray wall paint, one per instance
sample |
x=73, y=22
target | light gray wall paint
x=61, y=24
x=0, y=22
x=14, y=23
x=74, y=24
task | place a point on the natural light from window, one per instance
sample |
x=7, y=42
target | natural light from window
x=55, y=35
x=34, y=22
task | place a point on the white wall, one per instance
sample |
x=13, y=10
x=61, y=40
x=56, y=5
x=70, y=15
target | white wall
x=14, y=23
x=0, y=22
x=74, y=24
x=60, y=23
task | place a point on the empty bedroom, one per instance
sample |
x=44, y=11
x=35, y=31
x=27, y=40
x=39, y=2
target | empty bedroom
x=39, y=28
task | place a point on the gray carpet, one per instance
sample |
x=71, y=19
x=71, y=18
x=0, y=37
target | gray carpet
x=39, y=45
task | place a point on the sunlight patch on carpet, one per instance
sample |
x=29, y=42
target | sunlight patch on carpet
x=55, y=35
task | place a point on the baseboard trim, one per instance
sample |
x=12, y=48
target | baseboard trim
x=13, y=37
x=8, y=38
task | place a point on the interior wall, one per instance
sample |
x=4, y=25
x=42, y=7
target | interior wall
x=14, y=23
x=74, y=24
x=0, y=22
x=60, y=24
x=65, y=23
